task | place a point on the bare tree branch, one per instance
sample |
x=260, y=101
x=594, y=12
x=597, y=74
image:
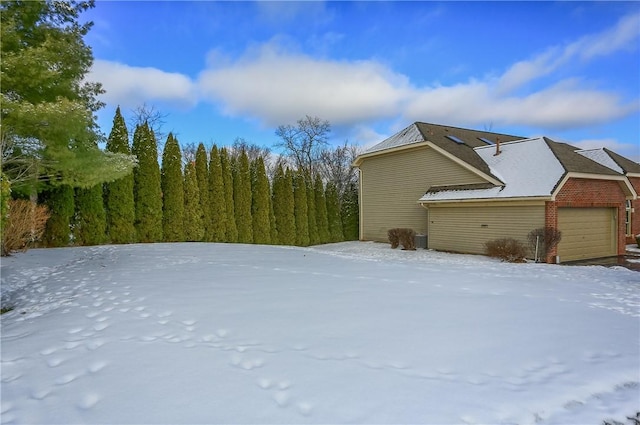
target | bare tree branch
x=304, y=142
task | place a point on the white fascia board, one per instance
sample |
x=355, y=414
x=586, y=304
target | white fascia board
x=364, y=156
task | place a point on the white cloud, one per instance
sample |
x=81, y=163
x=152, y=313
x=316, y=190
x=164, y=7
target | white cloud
x=623, y=35
x=130, y=86
x=278, y=85
x=561, y=106
x=281, y=87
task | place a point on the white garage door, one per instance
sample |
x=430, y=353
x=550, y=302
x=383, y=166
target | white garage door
x=587, y=233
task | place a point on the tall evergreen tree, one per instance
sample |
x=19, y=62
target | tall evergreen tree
x=227, y=178
x=193, y=224
x=242, y=198
x=217, y=203
x=272, y=220
x=333, y=213
x=314, y=237
x=49, y=130
x=301, y=209
x=202, y=174
x=90, y=220
x=60, y=201
x=119, y=204
x=261, y=202
x=146, y=186
x=172, y=191
x=351, y=213
x=283, y=207
x=321, y=211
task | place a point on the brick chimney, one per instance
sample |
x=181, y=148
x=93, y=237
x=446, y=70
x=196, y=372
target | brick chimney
x=497, y=146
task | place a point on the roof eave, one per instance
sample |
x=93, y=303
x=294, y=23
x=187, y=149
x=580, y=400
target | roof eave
x=494, y=199
x=360, y=158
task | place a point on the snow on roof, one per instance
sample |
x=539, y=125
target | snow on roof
x=527, y=167
x=407, y=136
x=601, y=157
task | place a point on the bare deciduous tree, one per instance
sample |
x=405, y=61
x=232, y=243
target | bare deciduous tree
x=304, y=142
x=154, y=118
x=189, y=152
x=252, y=150
x=336, y=166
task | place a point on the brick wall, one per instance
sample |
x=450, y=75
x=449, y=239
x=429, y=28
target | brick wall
x=635, y=216
x=588, y=193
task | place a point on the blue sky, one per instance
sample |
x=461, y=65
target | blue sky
x=221, y=70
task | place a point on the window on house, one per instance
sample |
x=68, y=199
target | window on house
x=487, y=141
x=627, y=219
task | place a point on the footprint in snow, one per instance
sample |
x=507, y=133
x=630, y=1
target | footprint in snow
x=88, y=401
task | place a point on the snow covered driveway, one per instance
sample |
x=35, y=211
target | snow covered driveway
x=342, y=333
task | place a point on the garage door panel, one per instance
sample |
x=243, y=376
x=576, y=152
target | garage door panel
x=586, y=233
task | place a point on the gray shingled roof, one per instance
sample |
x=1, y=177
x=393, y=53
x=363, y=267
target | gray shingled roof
x=626, y=164
x=437, y=134
x=573, y=162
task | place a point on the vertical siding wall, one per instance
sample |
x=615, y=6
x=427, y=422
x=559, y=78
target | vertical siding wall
x=391, y=185
x=467, y=227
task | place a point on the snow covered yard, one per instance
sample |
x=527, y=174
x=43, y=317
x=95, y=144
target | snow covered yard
x=342, y=333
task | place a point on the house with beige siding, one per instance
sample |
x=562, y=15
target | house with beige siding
x=462, y=188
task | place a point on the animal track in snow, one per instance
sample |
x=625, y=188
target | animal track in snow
x=88, y=401
x=282, y=398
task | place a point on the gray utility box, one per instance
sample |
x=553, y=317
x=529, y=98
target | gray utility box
x=421, y=241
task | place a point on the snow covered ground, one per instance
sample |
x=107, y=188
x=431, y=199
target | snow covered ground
x=341, y=333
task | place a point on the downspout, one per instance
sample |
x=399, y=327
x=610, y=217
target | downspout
x=360, y=217
x=428, y=223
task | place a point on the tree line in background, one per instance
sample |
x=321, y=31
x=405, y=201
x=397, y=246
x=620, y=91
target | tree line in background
x=219, y=195
x=54, y=172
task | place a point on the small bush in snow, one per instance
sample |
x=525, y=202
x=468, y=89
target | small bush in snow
x=394, y=238
x=546, y=238
x=506, y=249
x=638, y=240
x=25, y=225
x=404, y=237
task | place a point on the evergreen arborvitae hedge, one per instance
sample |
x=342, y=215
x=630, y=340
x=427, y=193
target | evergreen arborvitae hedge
x=202, y=175
x=172, y=191
x=242, y=198
x=333, y=213
x=301, y=210
x=227, y=178
x=60, y=202
x=351, y=213
x=146, y=186
x=118, y=195
x=321, y=211
x=261, y=203
x=283, y=207
x=217, y=205
x=193, y=224
x=272, y=221
x=314, y=237
x=90, y=221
